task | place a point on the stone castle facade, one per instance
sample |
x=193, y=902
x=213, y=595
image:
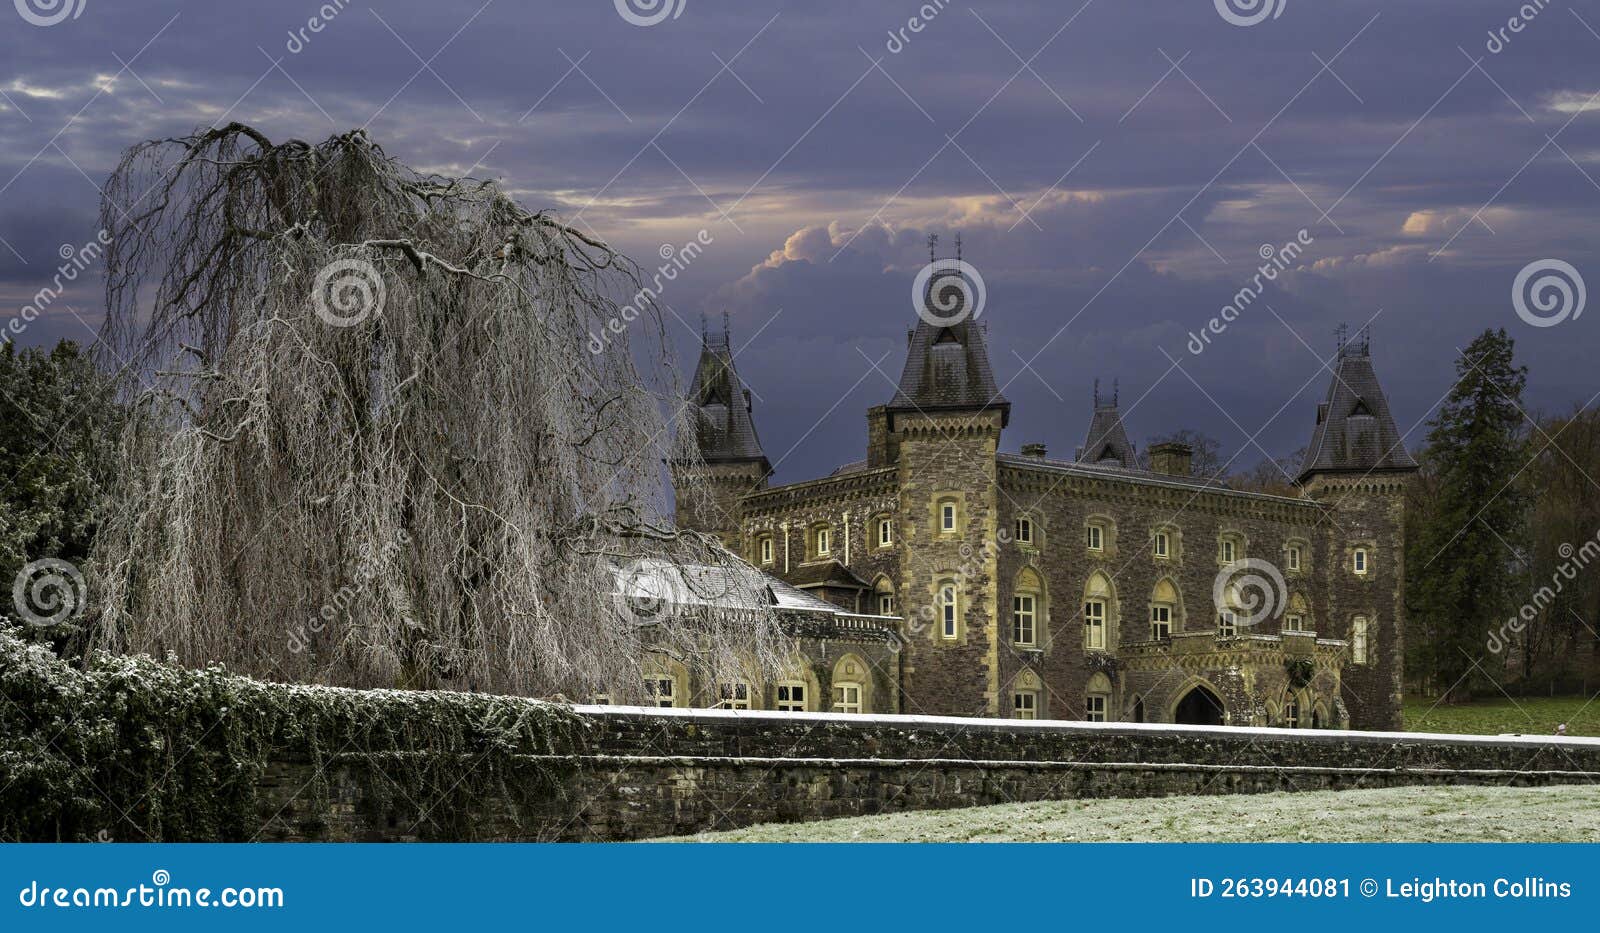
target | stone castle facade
x=1100, y=587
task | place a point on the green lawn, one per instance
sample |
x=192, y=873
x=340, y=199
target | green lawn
x=1405, y=814
x=1530, y=716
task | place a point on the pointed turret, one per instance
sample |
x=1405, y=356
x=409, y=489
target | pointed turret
x=947, y=369
x=727, y=432
x=1107, y=441
x=1355, y=432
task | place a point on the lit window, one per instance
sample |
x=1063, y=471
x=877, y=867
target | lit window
x=1096, y=538
x=1227, y=623
x=733, y=696
x=662, y=691
x=947, y=609
x=792, y=697
x=1358, y=560
x=885, y=604
x=766, y=550
x=1160, y=622
x=947, y=516
x=1022, y=618
x=885, y=532
x=1294, y=557
x=822, y=542
x=1094, y=624
x=1294, y=622
x=1025, y=704
x=1095, y=707
x=1227, y=550
x=1291, y=714
x=1161, y=546
x=1024, y=531
x=847, y=698
x=1358, y=640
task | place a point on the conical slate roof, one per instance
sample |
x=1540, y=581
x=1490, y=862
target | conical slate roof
x=727, y=433
x=1355, y=432
x=1107, y=440
x=948, y=368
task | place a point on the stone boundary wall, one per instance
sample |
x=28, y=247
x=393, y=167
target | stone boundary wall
x=644, y=773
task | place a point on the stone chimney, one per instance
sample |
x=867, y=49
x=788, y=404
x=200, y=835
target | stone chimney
x=1036, y=451
x=1171, y=458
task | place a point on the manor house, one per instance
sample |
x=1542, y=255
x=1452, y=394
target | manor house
x=1104, y=586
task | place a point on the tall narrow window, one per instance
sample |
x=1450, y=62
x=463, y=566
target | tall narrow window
x=1227, y=623
x=1094, y=624
x=662, y=691
x=1095, y=707
x=766, y=550
x=1096, y=539
x=885, y=604
x=1024, y=531
x=1358, y=560
x=1228, y=551
x=1025, y=704
x=1161, y=545
x=792, y=696
x=1359, y=640
x=885, y=532
x=823, y=541
x=1160, y=622
x=1022, y=618
x=947, y=610
x=947, y=516
x=1291, y=713
x=847, y=698
x=1294, y=557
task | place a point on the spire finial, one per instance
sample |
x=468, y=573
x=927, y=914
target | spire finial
x=933, y=243
x=958, y=247
x=1116, y=391
x=1341, y=334
x=1097, y=392
x=727, y=332
x=705, y=336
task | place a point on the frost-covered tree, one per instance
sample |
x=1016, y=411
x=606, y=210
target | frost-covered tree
x=369, y=442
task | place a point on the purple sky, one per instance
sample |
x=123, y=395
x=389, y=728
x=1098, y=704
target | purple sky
x=1114, y=167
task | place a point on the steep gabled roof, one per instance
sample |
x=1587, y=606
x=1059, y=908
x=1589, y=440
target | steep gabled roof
x=1355, y=432
x=727, y=432
x=948, y=368
x=1107, y=440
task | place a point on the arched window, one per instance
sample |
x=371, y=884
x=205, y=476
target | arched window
x=1230, y=547
x=1025, y=530
x=1025, y=696
x=1027, y=608
x=821, y=541
x=947, y=515
x=851, y=686
x=1297, y=617
x=883, y=596
x=1359, y=640
x=1291, y=711
x=949, y=606
x=764, y=550
x=885, y=526
x=1163, y=607
x=1138, y=709
x=1100, y=536
x=1097, y=613
x=1097, y=699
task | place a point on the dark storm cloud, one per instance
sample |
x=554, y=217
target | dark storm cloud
x=1114, y=192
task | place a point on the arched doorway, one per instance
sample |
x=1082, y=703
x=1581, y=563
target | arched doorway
x=1199, y=707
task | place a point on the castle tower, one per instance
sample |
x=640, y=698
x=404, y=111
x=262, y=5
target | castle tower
x=942, y=430
x=1107, y=441
x=1357, y=464
x=732, y=462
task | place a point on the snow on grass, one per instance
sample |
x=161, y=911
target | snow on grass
x=1405, y=814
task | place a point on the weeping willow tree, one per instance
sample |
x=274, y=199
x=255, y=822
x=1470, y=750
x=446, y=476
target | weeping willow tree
x=371, y=442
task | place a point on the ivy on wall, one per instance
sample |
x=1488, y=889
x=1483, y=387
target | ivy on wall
x=133, y=749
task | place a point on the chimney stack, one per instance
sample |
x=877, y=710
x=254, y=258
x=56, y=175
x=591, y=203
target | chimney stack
x=1171, y=458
